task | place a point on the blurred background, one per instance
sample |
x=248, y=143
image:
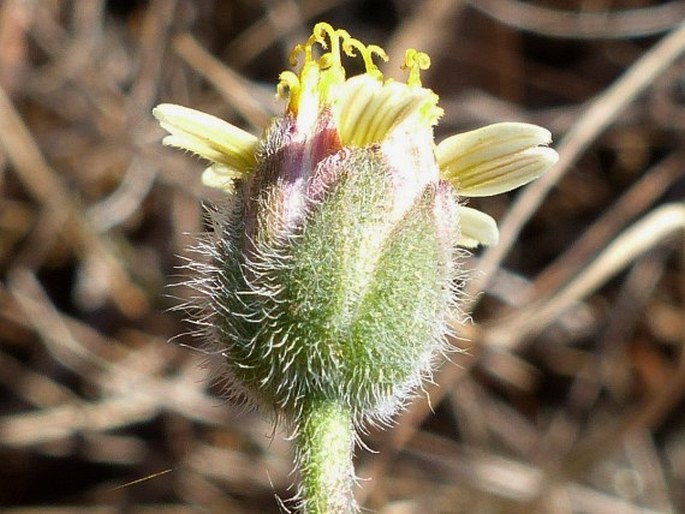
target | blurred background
x=568, y=395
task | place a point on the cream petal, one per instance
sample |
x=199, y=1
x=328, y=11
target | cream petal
x=207, y=136
x=221, y=177
x=508, y=172
x=477, y=228
x=496, y=158
x=368, y=109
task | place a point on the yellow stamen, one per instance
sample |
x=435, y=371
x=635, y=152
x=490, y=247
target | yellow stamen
x=320, y=77
x=415, y=61
x=366, y=53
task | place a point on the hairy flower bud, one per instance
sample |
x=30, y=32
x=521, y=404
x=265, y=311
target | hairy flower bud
x=336, y=285
x=335, y=261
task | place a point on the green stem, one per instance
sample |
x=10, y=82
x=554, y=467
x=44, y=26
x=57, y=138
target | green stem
x=325, y=443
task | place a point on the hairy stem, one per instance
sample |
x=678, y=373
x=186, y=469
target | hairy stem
x=325, y=443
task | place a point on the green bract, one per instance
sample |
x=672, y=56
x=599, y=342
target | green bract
x=348, y=304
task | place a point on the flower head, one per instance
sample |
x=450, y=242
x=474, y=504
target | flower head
x=335, y=264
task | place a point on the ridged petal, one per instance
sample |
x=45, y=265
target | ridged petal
x=207, y=136
x=368, y=109
x=496, y=158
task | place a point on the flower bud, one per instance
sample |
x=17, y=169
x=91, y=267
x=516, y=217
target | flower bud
x=335, y=261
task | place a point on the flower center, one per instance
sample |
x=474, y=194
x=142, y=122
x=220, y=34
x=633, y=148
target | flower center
x=365, y=107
